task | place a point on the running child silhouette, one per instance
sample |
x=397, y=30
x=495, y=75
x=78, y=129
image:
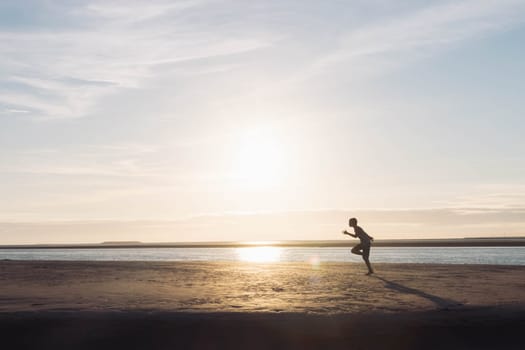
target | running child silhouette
x=363, y=248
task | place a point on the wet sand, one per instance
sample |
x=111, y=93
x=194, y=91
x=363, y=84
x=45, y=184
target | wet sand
x=205, y=305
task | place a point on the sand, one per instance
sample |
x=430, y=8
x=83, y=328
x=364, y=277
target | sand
x=247, y=305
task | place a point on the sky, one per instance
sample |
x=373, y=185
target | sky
x=211, y=120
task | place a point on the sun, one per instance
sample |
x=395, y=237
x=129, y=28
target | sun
x=260, y=161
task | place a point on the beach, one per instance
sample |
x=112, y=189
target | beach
x=223, y=305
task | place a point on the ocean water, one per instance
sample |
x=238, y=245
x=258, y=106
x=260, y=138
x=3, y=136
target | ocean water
x=420, y=255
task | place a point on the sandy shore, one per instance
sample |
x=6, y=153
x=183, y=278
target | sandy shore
x=256, y=306
x=248, y=287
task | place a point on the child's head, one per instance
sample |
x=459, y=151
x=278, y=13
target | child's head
x=352, y=222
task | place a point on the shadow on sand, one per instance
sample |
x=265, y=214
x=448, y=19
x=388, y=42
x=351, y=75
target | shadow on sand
x=440, y=302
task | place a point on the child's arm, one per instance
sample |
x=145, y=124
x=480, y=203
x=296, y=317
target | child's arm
x=348, y=233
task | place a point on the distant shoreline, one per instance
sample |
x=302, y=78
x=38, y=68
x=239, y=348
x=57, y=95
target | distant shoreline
x=456, y=242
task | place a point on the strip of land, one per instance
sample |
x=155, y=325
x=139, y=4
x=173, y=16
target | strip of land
x=212, y=305
x=452, y=242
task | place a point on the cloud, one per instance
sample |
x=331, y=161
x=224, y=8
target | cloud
x=135, y=11
x=109, y=160
x=14, y=111
x=95, y=181
x=63, y=73
x=421, y=32
x=105, y=47
x=296, y=225
x=489, y=197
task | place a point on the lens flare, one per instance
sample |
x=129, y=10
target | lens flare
x=315, y=262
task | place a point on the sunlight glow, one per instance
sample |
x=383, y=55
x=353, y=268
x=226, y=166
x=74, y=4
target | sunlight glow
x=259, y=254
x=315, y=262
x=260, y=162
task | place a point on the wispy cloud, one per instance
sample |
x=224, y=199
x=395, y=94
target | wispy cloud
x=14, y=111
x=489, y=197
x=421, y=32
x=111, y=160
x=298, y=225
x=63, y=73
x=136, y=11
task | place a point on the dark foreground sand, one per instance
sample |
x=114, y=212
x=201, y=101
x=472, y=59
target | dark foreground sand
x=146, y=305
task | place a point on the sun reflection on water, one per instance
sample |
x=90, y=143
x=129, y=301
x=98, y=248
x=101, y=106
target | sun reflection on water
x=259, y=254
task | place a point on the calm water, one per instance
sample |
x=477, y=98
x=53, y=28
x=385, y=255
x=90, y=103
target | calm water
x=448, y=255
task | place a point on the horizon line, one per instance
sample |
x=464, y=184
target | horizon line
x=425, y=242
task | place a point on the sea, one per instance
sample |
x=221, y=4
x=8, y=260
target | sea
x=269, y=254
